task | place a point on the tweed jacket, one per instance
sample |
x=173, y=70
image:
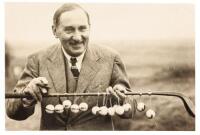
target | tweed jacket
x=101, y=68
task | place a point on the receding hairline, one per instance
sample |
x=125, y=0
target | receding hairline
x=66, y=8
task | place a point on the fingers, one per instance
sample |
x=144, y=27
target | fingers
x=121, y=95
x=112, y=92
x=34, y=91
x=119, y=87
x=38, y=94
x=118, y=91
x=43, y=90
x=28, y=103
x=41, y=81
x=36, y=88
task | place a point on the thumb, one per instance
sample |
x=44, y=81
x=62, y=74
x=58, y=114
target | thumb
x=41, y=81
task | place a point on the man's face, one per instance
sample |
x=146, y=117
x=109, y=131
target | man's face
x=73, y=31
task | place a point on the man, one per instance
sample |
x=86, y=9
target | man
x=72, y=66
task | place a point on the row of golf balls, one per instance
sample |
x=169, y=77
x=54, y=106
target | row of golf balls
x=103, y=110
x=116, y=109
x=75, y=108
x=67, y=104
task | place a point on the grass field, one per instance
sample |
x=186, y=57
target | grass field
x=151, y=65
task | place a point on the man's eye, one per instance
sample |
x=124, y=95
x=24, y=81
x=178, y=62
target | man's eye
x=82, y=28
x=69, y=29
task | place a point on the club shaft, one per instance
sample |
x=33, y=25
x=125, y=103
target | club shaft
x=186, y=101
x=23, y=95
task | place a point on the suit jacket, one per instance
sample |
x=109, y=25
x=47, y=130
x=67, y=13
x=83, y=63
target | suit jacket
x=101, y=68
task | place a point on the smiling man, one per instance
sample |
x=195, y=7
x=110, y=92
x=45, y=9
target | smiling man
x=72, y=28
x=73, y=66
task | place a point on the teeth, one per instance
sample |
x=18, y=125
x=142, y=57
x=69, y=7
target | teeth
x=50, y=109
x=75, y=43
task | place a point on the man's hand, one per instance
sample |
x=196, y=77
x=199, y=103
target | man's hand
x=35, y=88
x=118, y=91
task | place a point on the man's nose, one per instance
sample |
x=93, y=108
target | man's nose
x=77, y=36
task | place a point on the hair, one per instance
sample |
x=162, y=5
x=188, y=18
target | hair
x=65, y=8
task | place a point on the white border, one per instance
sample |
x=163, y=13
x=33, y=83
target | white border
x=2, y=69
x=108, y=1
x=197, y=63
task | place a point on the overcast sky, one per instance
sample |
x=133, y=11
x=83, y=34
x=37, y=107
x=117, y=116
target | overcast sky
x=31, y=22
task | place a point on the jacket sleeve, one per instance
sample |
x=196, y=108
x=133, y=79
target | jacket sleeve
x=14, y=107
x=119, y=75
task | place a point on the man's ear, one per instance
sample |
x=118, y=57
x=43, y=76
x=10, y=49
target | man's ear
x=54, y=31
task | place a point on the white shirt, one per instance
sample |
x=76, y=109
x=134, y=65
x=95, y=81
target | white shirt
x=79, y=59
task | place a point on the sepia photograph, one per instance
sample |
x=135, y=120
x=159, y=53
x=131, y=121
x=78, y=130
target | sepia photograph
x=99, y=66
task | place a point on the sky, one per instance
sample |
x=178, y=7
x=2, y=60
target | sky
x=31, y=22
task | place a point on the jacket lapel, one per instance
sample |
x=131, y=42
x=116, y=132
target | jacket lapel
x=56, y=69
x=89, y=68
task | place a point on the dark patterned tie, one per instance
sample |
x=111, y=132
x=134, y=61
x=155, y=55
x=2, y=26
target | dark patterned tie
x=74, y=68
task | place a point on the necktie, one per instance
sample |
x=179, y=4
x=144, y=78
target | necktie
x=74, y=68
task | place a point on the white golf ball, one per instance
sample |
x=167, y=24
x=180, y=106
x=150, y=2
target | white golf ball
x=67, y=104
x=83, y=107
x=103, y=110
x=150, y=114
x=95, y=110
x=49, y=108
x=74, y=108
x=140, y=106
x=59, y=108
x=111, y=111
x=127, y=107
x=119, y=110
x=115, y=107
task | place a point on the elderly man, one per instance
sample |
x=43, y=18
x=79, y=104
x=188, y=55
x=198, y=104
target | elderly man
x=73, y=66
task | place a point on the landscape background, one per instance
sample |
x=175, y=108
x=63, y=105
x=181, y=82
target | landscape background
x=151, y=65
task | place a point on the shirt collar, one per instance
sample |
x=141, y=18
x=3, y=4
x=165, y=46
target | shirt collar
x=79, y=58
